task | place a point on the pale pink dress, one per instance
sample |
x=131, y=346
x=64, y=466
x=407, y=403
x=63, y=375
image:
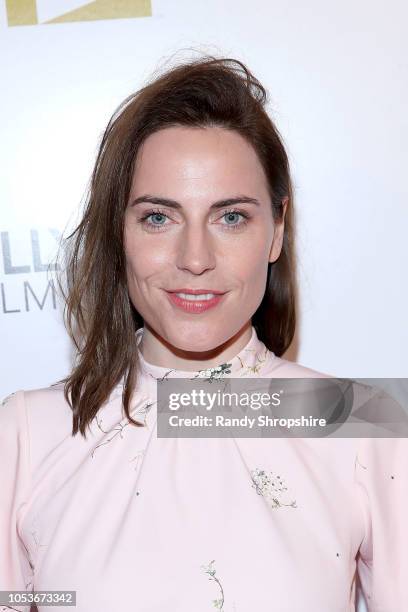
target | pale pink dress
x=135, y=522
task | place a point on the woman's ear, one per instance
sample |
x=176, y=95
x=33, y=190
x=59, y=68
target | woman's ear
x=278, y=233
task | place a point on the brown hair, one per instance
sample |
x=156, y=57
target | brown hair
x=98, y=313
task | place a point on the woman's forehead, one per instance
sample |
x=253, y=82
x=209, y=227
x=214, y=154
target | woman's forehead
x=198, y=159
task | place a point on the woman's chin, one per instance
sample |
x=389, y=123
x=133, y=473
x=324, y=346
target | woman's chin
x=196, y=338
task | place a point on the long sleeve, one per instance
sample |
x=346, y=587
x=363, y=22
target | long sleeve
x=15, y=567
x=381, y=476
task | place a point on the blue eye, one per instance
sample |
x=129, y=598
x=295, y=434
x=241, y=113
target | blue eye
x=162, y=215
x=158, y=215
x=235, y=226
x=153, y=213
x=231, y=213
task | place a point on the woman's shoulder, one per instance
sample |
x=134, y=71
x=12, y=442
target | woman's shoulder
x=38, y=419
x=44, y=412
x=37, y=415
x=44, y=403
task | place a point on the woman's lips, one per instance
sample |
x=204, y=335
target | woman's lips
x=194, y=306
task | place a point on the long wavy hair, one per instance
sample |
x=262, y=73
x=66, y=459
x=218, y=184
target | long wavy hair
x=98, y=313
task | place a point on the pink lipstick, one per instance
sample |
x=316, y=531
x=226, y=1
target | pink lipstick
x=195, y=301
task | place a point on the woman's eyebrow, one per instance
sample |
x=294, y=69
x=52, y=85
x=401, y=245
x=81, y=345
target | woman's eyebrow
x=174, y=204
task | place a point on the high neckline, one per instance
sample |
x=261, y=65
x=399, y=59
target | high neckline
x=249, y=361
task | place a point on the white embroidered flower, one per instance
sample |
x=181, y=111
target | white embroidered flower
x=272, y=488
x=216, y=372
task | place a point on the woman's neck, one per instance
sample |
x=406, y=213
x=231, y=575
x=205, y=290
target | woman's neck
x=157, y=351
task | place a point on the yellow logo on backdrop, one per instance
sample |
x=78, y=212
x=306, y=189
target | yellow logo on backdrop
x=24, y=12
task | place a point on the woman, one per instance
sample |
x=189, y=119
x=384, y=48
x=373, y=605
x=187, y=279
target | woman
x=183, y=267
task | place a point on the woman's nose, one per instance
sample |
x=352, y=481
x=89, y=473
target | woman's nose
x=195, y=250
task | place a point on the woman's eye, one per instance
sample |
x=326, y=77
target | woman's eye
x=155, y=220
x=159, y=216
x=154, y=215
x=229, y=216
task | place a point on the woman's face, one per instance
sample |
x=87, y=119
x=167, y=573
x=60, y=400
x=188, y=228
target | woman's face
x=193, y=238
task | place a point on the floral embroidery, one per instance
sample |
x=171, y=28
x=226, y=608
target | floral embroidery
x=142, y=411
x=217, y=603
x=34, y=534
x=271, y=488
x=36, y=542
x=260, y=360
x=164, y=377
x=118, y=429
x=210, y=373
x=137, y=458
x=216, y=372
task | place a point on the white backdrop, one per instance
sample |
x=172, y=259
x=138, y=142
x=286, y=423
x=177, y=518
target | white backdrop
x=337, y=78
